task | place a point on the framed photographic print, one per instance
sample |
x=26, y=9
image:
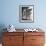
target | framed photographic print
x=26, y=13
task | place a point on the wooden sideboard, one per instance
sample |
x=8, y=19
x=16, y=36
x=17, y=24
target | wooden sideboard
x=23, y=38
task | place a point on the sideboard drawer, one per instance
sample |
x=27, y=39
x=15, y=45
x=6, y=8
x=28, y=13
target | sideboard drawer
x=12, y=39
x=37, y=39
x=13, y=33
x=34, y=33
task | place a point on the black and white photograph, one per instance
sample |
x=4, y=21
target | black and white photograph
x=26, y=13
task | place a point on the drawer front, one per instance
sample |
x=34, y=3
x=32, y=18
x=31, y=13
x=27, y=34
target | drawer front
x=37, y=39
x=34, y=33
x=12, y=44
x=8, y=45
x=13, y=33
x=12, y=39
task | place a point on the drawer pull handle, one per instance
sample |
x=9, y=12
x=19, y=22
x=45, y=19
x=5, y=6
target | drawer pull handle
x=33, y=39
x=11, y=38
